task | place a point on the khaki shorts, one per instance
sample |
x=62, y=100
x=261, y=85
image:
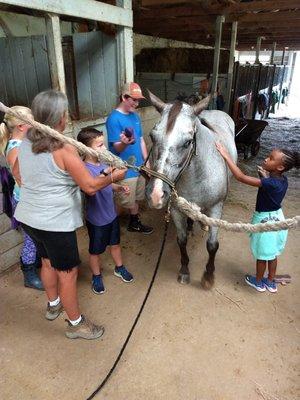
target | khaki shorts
x=137, y=192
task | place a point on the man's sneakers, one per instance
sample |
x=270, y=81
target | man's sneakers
x=135, y=225
x=270, y=285
x=53, y=311
x=85, y=329
x=124, y=274
x=97, y=284
x=262, y=285
x=258, y=285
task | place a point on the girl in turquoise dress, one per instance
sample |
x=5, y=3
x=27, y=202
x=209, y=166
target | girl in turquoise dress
x=272, y=184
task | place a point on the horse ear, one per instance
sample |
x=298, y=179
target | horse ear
x=158, y=104
x=201, y=105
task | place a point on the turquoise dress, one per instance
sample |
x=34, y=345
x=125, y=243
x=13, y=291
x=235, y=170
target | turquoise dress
x=268, y=245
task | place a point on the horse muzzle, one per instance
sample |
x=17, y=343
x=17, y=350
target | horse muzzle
x=157, y=193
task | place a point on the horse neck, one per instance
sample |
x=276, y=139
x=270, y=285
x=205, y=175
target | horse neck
x=205, y=140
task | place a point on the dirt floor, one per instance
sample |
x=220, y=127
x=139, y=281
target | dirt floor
x=230, y=343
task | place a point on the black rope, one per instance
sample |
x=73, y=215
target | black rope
x=137, y=317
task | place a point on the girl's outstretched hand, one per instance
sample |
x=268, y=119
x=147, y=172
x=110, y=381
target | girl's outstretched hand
x=262, y=173
x=222, y=150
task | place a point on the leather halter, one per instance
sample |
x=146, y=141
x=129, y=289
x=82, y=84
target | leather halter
x=163, y=177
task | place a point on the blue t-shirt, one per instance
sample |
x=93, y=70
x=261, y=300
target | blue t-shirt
x=271, y=193
x=100, y=208
x=115, y=124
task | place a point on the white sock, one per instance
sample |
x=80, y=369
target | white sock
x=76, y=321
x=54, y=302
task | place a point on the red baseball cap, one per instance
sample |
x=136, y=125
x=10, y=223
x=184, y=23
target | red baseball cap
x=133, y=90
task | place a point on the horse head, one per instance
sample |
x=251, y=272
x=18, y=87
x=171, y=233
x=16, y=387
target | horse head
x=172, y=140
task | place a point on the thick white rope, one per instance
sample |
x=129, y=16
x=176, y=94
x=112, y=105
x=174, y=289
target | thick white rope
x=190, y=209
x=194, y=212
x=105, y=156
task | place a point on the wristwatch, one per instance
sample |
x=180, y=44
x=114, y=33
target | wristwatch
x=103, y=173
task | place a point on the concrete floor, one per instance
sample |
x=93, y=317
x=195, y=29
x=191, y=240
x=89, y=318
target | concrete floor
x=230, y=343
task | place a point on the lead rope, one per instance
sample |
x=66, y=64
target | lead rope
x=188, y=208
x=167, y=220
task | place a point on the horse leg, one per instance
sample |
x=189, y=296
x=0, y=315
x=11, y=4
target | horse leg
x=212, y=246
x=180, y=222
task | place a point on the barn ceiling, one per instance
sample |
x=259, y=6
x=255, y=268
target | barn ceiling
x=194, y=21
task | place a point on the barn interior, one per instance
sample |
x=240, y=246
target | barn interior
x=228, y=343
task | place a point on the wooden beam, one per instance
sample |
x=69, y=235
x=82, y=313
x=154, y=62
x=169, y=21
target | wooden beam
x=267, y=35
x=86, y=9
x=125, y=48
x=192, y=30
x=146, y=3
x=167, y=12
x=178, y=21
x=264, y=16
x=194, y=23
x=260, y=6
x=55, y=53
x=230, y=66
x=257, y=51
x=273, y=52
x=219, y=21
x=269, y=24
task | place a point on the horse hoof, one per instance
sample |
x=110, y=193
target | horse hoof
x=184, y=279
x=207, y=282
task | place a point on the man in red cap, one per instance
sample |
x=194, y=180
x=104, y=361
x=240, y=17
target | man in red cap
x=125, y=139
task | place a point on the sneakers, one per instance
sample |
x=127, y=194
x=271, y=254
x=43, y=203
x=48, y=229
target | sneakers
x=270, y=285
x=97, y=284
x=122, y=273
x=53, y=311
x=135, y=225
x=251, y=281
x=84, y=330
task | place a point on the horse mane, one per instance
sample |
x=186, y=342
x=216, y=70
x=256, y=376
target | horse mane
x=174, y=111
x=208, y=125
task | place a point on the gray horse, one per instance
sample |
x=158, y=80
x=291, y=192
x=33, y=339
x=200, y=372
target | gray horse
x=205, y=179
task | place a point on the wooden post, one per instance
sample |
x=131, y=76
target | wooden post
x=282, y=79
x=230, y=65
x=55, y=53
x=283, y=55
x=258, y=44
x=280, y=87
x=270, y=89
x=273, y=53
x=292, y=71
x=125, y=48
x=234, y=89
x=219, y=21
x=256, y=90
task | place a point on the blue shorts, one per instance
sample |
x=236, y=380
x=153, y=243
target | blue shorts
x=267, y=245
x=103, y=236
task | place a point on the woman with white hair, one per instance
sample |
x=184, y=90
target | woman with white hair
x=52, y=174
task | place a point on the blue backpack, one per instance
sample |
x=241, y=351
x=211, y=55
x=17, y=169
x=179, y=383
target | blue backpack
x=8, y=184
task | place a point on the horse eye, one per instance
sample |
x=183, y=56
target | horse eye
x=187, y=144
